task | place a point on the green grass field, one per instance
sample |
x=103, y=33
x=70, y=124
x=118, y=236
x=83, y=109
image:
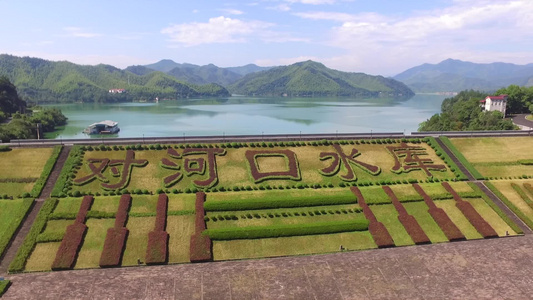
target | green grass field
x=12, y=212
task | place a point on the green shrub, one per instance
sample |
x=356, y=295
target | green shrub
x=24, y=251
x=4, y=149
x=74, y=159
x=259, y=232
x=288, y=202
x=4, y=285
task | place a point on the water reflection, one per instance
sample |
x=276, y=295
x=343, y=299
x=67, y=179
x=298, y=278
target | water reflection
x=244, y=115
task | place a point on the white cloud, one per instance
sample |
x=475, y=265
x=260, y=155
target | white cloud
x=284, y=61
x=468, y=29
x=231, y=11
x=225, y=30
x=79, y=33
x=313, y=2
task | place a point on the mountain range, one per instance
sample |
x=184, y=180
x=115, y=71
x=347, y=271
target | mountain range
x=453, y=75
x=39, y=80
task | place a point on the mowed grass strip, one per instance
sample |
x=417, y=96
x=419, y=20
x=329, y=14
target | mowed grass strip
x=387, y=215
x=459, y=219
x=512, y=199
x=419, y=210
x=42, y=257
x=24, y=162
x=296, y=245
x=93, y=244
x=491, y=217
x=137, y=239
x=180, y=229
x=12, y=212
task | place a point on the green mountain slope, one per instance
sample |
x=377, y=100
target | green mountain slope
x=314, y=79
x=41, y=80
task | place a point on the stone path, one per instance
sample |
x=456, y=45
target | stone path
x=482, y=269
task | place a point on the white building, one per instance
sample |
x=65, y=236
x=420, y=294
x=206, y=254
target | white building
x=492, y=103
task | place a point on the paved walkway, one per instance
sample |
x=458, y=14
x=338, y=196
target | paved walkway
x=482, y=269
x=522, y=122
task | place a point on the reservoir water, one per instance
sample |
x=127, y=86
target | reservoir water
x=246, y=115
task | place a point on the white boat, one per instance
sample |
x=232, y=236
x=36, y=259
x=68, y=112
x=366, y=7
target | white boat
x=103, y=127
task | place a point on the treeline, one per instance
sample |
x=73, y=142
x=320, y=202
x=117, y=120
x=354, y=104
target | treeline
x=463, y=112
x=19, y=121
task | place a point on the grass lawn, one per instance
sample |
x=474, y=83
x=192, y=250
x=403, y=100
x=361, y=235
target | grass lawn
x=419, y=210
x=105, y=204
x=56, y=226
x=143, y=204
x=491, y=216
x=180, y=229
x=42, y=257
x=137, y=239
x=387, y=215
x=296, y=245
x=507, y=190
x=459, y=219
x=68, y=205
x=24, y=162
x=15, y=188
x=494, y=149
x=504, y=171
x=181, y=202
x=93, y=244
x=11, y=214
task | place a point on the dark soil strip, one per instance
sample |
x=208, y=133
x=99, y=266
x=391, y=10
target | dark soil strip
x=379, y=232
x=408, y=221
x=47, y=190
x=451, y=231
x=455, y=160
x=504, y=208
x=19, y=237
x=471, y=214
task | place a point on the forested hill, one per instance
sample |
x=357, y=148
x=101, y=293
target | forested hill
x=41, y=80
x=309, y=78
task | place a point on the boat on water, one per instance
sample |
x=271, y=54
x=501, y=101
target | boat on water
x=103, y=127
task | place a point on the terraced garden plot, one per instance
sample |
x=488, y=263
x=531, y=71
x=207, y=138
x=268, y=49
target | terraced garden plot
x=22, y=168
x=491, y=155
x=514, y=200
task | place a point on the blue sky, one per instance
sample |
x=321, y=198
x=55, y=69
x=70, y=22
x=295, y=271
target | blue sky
x=372, y=36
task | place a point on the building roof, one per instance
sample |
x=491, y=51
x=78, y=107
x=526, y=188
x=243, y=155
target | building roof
x=500, y=97
x=107, y=123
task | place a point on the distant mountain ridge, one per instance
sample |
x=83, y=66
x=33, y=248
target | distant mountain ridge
x=453, y=75
x=309, y=78
x=198, y=74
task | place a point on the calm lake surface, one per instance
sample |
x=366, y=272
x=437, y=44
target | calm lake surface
x=244, y=115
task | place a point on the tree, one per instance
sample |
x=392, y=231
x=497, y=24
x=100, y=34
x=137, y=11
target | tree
x=9, y=99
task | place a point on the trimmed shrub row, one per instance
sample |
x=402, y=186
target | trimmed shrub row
x=24, y=251
x=50, y=237
x=115, y=240
x=157, y=250
x=510, y=204
x=446, y=141
x=471, y=214
x=235, y=205
x=73, y=162
x=496, y=208
x=70, y=245
x=86, y=204
x=273, y=231
x=4, y=285
x=412, y=227
x=12, y=227
x=522, y=194
x=379, y=232
x=47, y=169
x=18, y=180
x=201, y=245
x=449, y=229
x=73, y=238
x=122, y=212
x=278, y=214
